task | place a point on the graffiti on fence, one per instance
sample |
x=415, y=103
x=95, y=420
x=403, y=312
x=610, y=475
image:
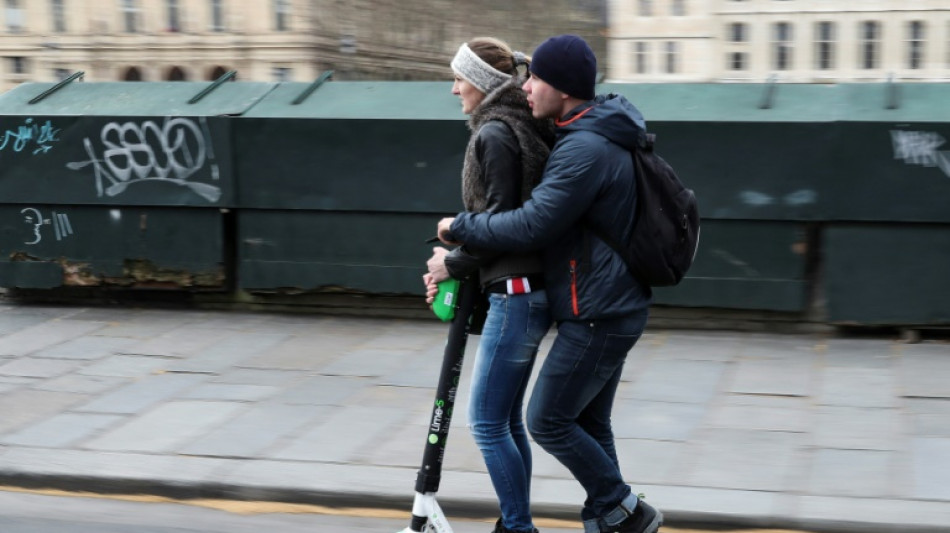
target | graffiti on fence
x=921, y=148
x=59, y=222
x=31, y=135
x=172, y=151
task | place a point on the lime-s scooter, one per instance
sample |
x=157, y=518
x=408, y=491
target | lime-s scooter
x=454, y=303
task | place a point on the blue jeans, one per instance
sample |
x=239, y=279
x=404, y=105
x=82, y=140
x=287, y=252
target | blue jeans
x=570, y=408
x=509, y=345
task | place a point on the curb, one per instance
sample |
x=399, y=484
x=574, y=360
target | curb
x=467, y=508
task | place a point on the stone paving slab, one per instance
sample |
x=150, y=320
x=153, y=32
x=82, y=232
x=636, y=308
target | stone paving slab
x=86, y=348
x=924, y=372
x=141, y=395
x=677, y=380
x=166, y=428
x=61, y=431
x=931, y=468
x=272, y=424
x=858, y=428
x=755, y=412
x=759, y=430
x=125, y=366
x=45, y=334
x=23, y=406
x=32, y=367
x=858, y=387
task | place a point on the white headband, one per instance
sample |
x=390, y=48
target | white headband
x=474, y=70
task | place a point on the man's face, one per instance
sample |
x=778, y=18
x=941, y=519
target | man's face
x=545, y=100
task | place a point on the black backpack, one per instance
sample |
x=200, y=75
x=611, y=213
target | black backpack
x=666, y=231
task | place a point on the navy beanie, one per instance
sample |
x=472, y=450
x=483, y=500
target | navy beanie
x=566, y=63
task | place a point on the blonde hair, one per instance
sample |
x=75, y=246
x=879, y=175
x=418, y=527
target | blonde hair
x=498, y=54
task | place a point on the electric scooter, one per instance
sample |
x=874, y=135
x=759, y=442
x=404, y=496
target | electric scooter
x=427, y=516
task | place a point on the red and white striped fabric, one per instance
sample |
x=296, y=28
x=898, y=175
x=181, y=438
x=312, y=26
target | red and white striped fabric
x=518, y=286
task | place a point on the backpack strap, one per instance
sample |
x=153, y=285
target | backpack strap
x=645, y=142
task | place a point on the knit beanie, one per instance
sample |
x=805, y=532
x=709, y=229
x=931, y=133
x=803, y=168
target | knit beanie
x=566, y=63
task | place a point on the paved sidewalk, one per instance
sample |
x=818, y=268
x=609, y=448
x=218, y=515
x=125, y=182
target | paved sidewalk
x=791, y=431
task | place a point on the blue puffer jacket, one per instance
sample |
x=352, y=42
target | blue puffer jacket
x=588, y=181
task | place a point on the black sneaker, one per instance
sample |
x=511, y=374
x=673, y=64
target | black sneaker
x=499, y=528
x=645, y=519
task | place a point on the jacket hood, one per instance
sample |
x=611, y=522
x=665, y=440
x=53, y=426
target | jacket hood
x=612, y=116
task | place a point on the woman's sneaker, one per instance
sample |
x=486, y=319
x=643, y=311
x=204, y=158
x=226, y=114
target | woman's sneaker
x=645, y=519
x=499, y=528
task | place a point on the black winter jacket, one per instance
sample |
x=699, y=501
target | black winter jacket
x=588, y=181
x=503, y=162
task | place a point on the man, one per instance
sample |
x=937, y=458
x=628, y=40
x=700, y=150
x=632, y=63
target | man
x=599, y=307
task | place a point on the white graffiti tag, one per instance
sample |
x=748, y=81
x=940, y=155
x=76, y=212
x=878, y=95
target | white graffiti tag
x=133, y=153
x=60, y=222
x=920, y=148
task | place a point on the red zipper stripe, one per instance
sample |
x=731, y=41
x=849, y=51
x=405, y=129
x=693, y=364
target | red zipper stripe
x=561, y=123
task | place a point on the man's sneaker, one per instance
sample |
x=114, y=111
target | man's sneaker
x=645, y=519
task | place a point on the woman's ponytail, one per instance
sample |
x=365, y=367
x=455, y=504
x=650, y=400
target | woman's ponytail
x=520, y=58
x=499, y=55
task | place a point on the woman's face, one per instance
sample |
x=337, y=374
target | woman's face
x=470, y=96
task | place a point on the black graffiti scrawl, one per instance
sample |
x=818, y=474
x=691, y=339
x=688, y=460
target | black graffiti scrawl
x=172, y=151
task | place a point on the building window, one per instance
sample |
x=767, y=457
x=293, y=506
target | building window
x=825, y=45
x=641, y=52
x=670, y=54
x=59, y=16
x=130, y=16
x=217, y=72
x=870, y=44
x=60, y=74
x=738, y=32
x=738, y=61
x=915, y=44
x=281, y=15
x=646, y=8
x=283, y=73
x=133, y=74
x=174, y=15
x=348, y=44
x=176, y=74
x=782, y=45
x=217, y=15
x=678, y=8
x=17, y=65
x=14, y=16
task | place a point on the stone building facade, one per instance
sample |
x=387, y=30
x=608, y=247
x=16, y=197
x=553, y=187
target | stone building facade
x=269, y=40
x=820, y=41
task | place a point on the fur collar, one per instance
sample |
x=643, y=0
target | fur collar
x=509, y=104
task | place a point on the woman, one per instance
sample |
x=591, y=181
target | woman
x=504, y=160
